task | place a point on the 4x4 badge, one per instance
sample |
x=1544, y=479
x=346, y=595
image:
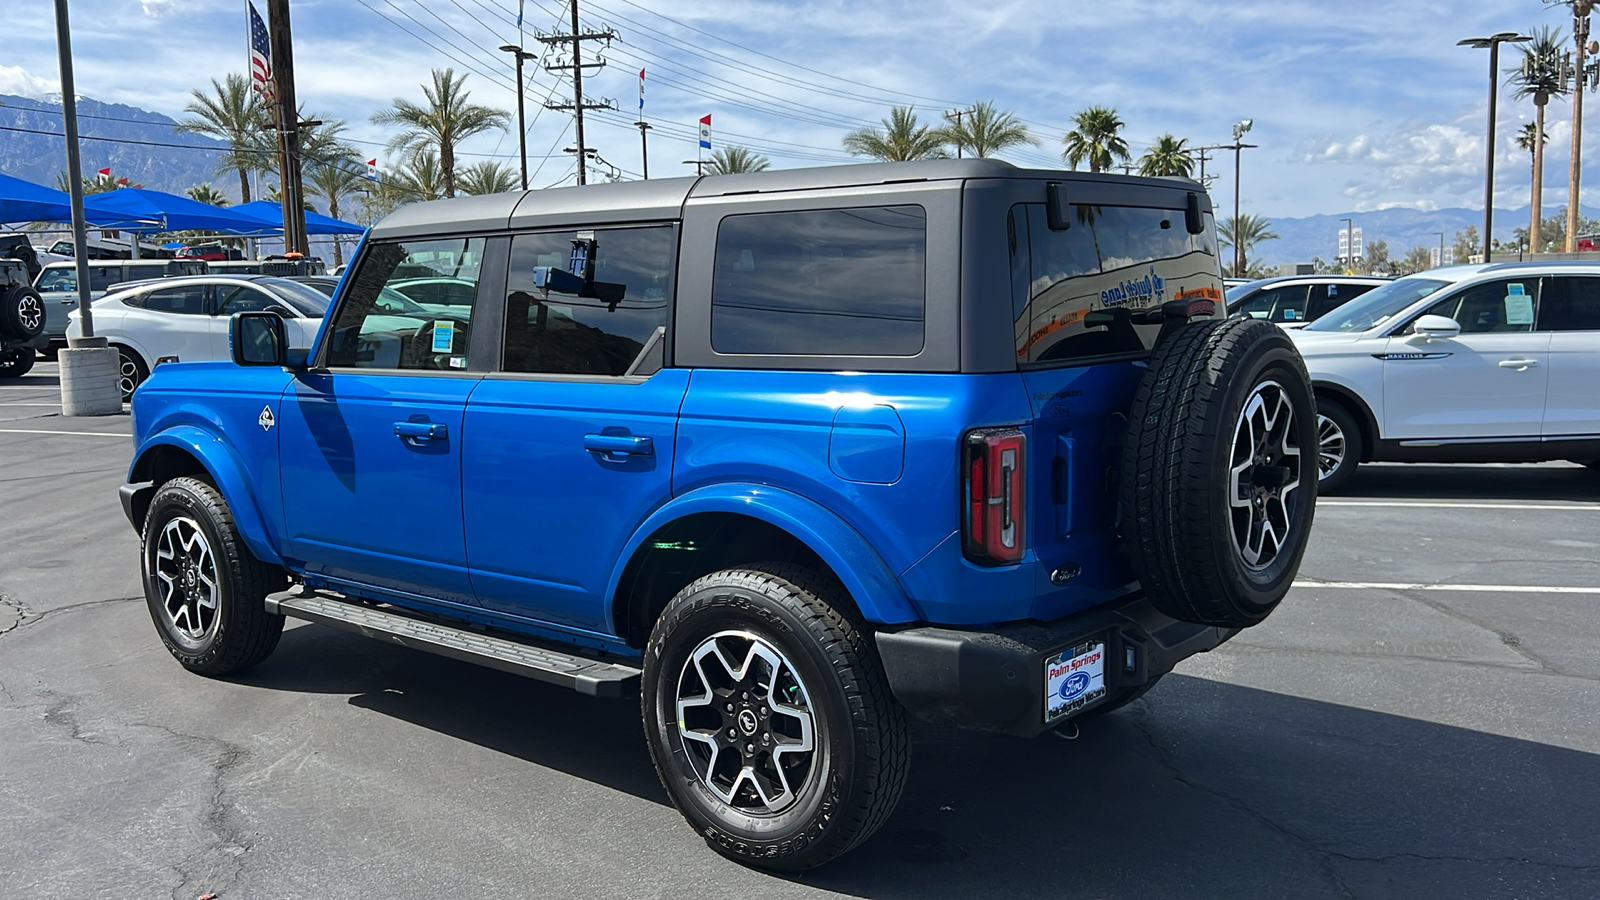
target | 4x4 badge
x=265, y=420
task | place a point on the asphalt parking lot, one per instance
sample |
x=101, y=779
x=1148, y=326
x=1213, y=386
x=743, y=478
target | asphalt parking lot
x=1421, y=718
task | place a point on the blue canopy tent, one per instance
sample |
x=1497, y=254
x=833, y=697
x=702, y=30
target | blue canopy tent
x=158, y=211
x=24, y=201
x=316, y=223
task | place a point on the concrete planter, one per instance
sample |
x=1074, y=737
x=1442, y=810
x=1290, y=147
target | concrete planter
x=89, y=382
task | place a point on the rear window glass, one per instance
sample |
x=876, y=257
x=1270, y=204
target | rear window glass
x=1074, y=292
x=837, y=282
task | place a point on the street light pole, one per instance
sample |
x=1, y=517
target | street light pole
x=1349, y=246
x=1492, y=44
x=519, y=55
x=1238, y=146
x=1441, y=247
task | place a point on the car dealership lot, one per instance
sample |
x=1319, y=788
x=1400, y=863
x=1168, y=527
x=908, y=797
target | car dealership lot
x=1378, y=736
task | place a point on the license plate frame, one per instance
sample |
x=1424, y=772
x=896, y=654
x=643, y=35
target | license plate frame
x=1075, y=678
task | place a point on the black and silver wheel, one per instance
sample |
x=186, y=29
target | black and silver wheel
x=204, y=587
x=16, y=363
x=1338, y=446
x=1264, y=475
x=769, y=718
x=21, y=312
x=131, y=372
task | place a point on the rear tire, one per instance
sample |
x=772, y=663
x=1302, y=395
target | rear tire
x=21, y=312
x=1339, y=446
x=1218, y=473
x=131, y=371
x=783, y=784
x=15, y=363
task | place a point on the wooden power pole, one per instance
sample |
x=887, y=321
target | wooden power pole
x=290, y=187
x=576, y=39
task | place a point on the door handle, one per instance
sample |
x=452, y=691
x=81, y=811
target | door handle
x=421, y=431
x=621, y=444
x=1518, y=364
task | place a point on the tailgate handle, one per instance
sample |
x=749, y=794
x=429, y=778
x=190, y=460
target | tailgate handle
x=621, y=444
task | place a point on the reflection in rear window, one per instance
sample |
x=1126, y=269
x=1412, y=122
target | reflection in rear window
x=838, y=282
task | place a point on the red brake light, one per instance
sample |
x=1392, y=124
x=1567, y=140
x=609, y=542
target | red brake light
x=994, y=492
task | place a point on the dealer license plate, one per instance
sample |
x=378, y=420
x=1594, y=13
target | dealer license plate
x=1074, y=679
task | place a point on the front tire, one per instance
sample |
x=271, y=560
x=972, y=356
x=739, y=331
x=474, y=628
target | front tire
x=204, y=587
x=769, y=717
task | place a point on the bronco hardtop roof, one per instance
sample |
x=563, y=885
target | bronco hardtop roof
x=664, y=198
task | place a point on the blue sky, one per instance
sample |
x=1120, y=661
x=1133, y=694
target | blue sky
x=1357, y=105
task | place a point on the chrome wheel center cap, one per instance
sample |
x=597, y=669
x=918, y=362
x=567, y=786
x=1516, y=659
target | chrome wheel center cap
x=747, y=722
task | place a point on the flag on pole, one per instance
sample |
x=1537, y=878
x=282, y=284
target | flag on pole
x=641, y=94
x=705, y=133
x=260, y=54
x=105, y=173
x=372, y=170
x=519, y=16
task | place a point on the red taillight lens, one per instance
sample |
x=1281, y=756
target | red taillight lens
x=994, y=504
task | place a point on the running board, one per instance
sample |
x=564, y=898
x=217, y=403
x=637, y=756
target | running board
x=594, y=677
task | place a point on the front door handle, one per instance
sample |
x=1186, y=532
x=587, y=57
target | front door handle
x=621, y=444
x=1518, y=364
x=421, y=431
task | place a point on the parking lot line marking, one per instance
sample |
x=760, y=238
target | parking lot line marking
x=4, y=403
x=77, y=433
x=1460, y=588
x=1442, y=505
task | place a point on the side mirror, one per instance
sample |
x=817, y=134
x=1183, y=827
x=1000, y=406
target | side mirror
x=257, y=339
x=1435, y=327
x=1194, y=220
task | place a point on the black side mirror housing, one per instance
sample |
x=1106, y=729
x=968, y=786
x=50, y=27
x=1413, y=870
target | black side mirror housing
x=1056, y=207
x=1193, y=216
x=257, y=339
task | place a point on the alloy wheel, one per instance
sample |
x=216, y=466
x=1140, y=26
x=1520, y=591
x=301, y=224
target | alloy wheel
x=31, y=313
x=127, y=373
x=186, y=576
x=1264, y=475
x=1331, y=446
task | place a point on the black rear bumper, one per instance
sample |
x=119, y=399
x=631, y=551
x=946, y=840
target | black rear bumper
x=993, y=680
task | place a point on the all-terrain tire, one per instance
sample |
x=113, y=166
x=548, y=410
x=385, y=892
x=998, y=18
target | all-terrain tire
x=853, y=777
x=1200, y=555
x=16, y=363
x=21, y=312
x=1340, y=427
x=188, y=518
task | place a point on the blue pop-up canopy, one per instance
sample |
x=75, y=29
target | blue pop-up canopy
x=158, y=211
x=24, y=201
x=316, y=223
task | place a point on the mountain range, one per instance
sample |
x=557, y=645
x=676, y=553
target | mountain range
x=144, y=147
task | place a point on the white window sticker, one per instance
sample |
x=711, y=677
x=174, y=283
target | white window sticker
x=1519, y=307
x=444, y=336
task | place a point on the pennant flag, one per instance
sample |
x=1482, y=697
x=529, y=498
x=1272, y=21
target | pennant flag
x=260, y=54
x=372, y=170
x=519, y=16
x=105, y=173
x=641, y=93
x=705, y=132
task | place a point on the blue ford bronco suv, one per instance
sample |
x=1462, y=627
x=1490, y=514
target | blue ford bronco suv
x=788, y=455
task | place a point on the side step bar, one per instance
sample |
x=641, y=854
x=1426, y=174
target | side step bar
x=594, y=677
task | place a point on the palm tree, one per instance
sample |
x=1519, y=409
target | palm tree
x=736, y=161
x=984, y=131
x=1168, y=157
x=902, y=138
x=1245, y=233
x=232, y=112
x=96, y=184
x=1540, y=76
x=1097, y=139
x=332, y=181
x=488, y=177
x=205, y=193
x=442, y=123
x=419, y=177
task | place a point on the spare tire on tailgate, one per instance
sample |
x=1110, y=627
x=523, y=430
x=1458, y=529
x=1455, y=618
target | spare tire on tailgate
x=1219, y=473
x=21, y=312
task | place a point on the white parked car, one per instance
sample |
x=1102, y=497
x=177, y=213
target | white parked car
x=186, y=318
x=1479, y=363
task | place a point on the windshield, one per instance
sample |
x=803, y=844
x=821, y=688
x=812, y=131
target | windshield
x=1377, y=306
x=306, y=301
x=1238, y=291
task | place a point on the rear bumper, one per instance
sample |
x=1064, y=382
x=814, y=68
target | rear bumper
x=993, y=680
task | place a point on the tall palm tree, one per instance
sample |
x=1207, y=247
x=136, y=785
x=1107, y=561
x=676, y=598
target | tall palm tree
x=1245, y=233
x=419, y=177
x=96, y=184
x=441, y=123
x=984, y=130
x=902, y=138
x=736, y=161
x=488, y=177
x=1097, y=139
x=232, y=112
x=1167, y=157
x=332, y=181
x=1539, y=76
x=205, y=193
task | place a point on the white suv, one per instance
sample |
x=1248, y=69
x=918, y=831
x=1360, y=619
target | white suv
x=1482, y=363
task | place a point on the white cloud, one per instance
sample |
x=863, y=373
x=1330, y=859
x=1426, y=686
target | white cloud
x=157, y=9
x=16, y=80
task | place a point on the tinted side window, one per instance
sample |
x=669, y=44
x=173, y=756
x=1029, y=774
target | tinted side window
x=1086, y=282
x=1284, y=304
x=233, y=299
x=101, y=278
x=1492, y=307
x=187, y=300
x=58, y=280
x=1327, y=297
x=1570, y=303
x=837, y=282
x=599, y=323
x=436, y=336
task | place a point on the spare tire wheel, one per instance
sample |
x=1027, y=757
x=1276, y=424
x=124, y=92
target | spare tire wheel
x=1219, y=474
x=21, y=312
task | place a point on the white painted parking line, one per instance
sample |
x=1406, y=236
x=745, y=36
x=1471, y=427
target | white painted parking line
x=4, y=403
x=1458, y=588
x=1583, y=507
x=111, y=434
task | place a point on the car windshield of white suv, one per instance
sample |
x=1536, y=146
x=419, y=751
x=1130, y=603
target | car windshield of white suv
x=1377, y=306
x=308, y=302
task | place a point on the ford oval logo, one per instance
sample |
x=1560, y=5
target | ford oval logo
x=1075, y=686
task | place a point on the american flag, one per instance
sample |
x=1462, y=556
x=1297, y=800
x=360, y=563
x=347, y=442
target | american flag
x=260, y=54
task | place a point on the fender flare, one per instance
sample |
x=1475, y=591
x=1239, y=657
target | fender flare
x=1358, y=407
x=870, y=581
x=222, y=464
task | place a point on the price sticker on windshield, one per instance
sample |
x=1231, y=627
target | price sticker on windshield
x=444, y=336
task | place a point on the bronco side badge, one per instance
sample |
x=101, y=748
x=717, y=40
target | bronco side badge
x=265, y=420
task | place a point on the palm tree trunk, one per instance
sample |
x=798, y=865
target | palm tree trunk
x=1534, y=244
x=244, y=185
x=333, y=210
x=447, y=162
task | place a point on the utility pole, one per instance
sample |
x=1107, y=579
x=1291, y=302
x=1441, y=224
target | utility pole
x=1203, y=154
x=699, y=165
x=1237, y=147
x=957, y=115
x=576, y=39
x=292, y=190
x=1580, y=34
x=522, y=126
x=644, y=146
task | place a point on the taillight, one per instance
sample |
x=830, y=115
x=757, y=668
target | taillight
x=993, y=492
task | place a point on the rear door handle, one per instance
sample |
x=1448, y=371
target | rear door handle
x=1518, y=364
x=421, y=431
x=621, y=444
